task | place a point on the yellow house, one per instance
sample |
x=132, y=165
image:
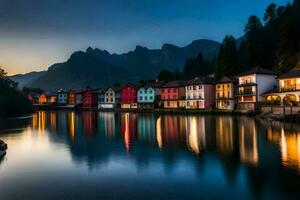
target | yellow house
x=225, y=99
x=288, y=91
x=42, y=99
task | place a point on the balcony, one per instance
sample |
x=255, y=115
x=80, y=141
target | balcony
x=247, y=93
x=247, y=83
x=288, y=89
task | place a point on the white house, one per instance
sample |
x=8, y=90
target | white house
x=252, y=84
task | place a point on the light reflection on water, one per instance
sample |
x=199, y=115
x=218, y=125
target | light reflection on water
x=91, y=155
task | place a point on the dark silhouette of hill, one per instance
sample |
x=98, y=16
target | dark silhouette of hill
x=99, y=68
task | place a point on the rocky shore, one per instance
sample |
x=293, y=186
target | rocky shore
x=3, y=148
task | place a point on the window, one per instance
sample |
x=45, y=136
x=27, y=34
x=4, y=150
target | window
x=141, y=98
x=146, y=98
x=175, y=90
x=151, y=97
x=111, y=99
x=194, y=87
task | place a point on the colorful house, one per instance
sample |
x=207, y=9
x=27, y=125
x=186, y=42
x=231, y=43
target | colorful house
x=252, y=84
x=288, y=90
x=225, y=93
x=89, y=98
x=129, y=97
x=200, y=93
x=42, y=99
x=51, y=98
x=146, y=97
x=173, y=94
x=33, y=97
x=78, y=97
x=101, y=98
x=71, y=97
x=111, y=98
x=62, y=97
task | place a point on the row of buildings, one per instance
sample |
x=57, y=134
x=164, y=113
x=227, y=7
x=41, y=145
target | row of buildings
x=243, y=92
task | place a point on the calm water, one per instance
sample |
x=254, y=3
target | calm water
x=90, y=155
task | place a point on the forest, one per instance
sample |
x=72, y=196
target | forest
x=12, y=100
x=272, y=42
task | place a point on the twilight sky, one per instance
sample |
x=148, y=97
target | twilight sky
x=37, y=33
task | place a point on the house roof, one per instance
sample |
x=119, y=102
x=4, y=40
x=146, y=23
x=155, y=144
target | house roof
x=130, y=85
x=200, y=81
x=291, y=74
x=274, y=90
x=172, y=84
x=61, y=91
x=258, y=70
x=225, y=79
x=114, y=88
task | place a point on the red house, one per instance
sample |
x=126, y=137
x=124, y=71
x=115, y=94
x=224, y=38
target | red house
x=89, y=98
x=173, y=94
x=129, y=97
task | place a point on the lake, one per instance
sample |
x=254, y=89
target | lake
x=94, y=155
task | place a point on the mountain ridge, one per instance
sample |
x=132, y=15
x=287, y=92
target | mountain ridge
x=99, y=68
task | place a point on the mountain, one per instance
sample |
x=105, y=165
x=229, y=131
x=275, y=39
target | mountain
x=168, y=57
x=79, y=71
x=25, y=79
x=99, y=68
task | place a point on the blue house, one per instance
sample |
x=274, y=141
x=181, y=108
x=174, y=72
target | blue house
x=146, y=97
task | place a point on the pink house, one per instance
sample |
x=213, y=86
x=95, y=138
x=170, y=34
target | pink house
x=200, y=93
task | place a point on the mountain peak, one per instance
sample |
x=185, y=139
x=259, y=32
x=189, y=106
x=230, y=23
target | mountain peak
x=140, y=48
x=168, y=46
x=89, y=50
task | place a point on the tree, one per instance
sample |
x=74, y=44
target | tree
x=165, y=75
x=253, y=26
x=196, y=67
x=12, y=101
x=226, y=62
x=177, y=74
x=255, y=41
x=270, y=13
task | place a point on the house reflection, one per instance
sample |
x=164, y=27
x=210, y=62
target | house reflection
x=146, y=128
x=288, y=138
x=248, y=141
x=195, y=133
x=171, y=131
x=158, y=132
x=225, y=135
x=89, y=122
x=71, y=124
x=39, y=121
x=108, y=124
x=128, y=129
x=53, y=121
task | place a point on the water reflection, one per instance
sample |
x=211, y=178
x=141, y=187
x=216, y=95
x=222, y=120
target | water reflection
x=195, y=131
x=288, y=139
x=248, y=141
x=225, y=135
x=236, y=155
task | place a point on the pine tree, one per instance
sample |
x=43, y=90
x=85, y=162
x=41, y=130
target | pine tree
x=226, y=63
